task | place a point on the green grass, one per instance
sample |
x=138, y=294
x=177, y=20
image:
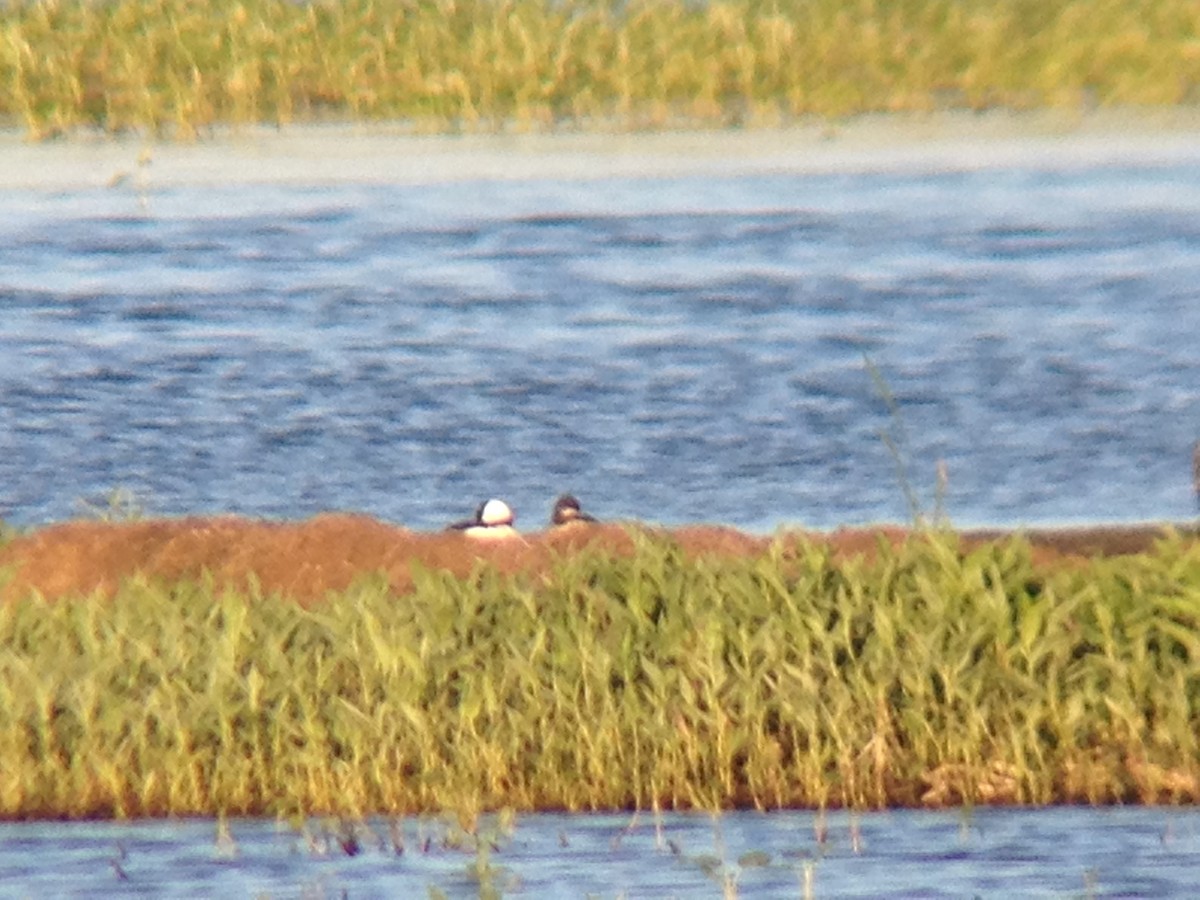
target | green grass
x=655, y=682
x=176, y=68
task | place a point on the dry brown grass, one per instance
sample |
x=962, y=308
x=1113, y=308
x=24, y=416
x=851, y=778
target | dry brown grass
x=310, y=559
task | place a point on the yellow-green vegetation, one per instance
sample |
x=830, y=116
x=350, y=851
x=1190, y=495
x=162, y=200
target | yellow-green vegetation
x=175, y=67
x=925, y=674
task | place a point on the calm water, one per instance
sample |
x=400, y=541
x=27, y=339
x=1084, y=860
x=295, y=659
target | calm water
x=674, y=350
x=1059, y=852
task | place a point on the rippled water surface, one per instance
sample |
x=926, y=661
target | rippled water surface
x=690, y=349
x=1063, y=852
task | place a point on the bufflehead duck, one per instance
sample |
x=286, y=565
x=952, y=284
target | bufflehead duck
x=494, y=519
x=567, y=510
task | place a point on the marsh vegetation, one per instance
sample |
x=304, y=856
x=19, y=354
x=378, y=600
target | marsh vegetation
x=926, y=672
x=484, y=65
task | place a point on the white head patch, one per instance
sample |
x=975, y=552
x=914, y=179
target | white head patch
x=496, y=512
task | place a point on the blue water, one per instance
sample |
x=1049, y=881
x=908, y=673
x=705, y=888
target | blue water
x=673, y=350
x=1056, y=852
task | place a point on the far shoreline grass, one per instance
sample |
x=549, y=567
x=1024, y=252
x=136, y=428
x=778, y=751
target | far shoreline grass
x=483, y=66
x=668, y=672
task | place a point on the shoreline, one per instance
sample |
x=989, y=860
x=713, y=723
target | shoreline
x=328, y=553
x=366, y=153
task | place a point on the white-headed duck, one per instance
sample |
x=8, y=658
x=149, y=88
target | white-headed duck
x=493, y=520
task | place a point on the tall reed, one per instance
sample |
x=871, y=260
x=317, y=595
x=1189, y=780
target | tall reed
x=443, y=65
x=926, y=674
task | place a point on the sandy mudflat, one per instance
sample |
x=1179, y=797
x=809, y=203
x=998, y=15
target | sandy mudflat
x=363, y=154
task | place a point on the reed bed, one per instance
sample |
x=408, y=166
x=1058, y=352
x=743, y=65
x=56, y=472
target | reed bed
x=481, y=65
x=924, y=673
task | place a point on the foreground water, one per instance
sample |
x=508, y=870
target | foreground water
x=1057, y=852
x=675, y=349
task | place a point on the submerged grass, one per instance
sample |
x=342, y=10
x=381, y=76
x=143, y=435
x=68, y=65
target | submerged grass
x=926, y=673
x=447, y=65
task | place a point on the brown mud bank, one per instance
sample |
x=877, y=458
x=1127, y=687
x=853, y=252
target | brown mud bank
x=309, y=559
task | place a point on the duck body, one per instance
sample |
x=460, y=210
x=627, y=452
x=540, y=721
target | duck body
x=493, y=520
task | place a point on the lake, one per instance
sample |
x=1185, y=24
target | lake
x=796, y=337
x=1056, y=852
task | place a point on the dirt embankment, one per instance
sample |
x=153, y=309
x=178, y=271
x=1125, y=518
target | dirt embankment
x=307, y=560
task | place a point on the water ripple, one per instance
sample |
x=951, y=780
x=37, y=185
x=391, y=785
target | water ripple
x=673, y=349
x=1056, y=852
